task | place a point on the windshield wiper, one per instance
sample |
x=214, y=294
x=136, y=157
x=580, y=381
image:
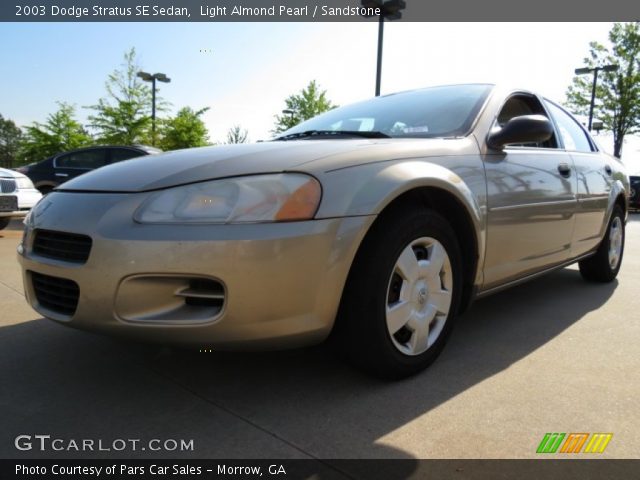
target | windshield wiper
x=332, y=133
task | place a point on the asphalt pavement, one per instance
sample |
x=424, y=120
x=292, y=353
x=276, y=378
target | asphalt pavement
x=553, y=355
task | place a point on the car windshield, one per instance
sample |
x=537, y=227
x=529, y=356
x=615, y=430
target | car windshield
x=447, y=111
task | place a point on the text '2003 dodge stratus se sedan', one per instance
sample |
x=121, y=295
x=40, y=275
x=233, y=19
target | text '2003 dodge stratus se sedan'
x=376, y=223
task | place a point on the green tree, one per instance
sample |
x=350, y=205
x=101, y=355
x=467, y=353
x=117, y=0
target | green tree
x=10, y=135
x=185, y=130
x=60, y=132
x=124, y=115
x=617, y=93
x=310, y=102
x=237, y=134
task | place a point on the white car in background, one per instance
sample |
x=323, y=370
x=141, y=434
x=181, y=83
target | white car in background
x=17, y=196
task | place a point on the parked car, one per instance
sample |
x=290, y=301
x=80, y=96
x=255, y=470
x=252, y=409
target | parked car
x=55, y=170
x=634, y=198
x=375, y=223
x=17, y=196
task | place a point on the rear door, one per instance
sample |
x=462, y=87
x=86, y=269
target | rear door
x=531, y=196
x=73, y=164
x=594, y=180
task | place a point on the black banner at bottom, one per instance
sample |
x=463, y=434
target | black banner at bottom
x=548, y=469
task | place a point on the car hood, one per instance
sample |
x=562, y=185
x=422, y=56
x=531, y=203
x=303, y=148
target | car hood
x=5, y=173
x=181, y=167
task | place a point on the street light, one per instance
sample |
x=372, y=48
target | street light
x=391, y=10
x=597, y=126
x=147, y=77
x=291, y=113
x=595, y=70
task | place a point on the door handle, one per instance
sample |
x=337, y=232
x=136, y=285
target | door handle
x=607, y=168
x=564, y=169
x=62, y=174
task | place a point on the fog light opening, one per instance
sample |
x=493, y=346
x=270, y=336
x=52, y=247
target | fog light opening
x=203, y=292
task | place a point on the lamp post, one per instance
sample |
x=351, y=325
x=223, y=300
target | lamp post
x=597, y=126
x=391, y=10
x=147, y=77
x=595, y=70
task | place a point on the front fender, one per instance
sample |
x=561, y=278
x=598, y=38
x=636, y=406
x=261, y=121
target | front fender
x=368, y=189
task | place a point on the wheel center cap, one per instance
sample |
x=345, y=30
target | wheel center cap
x=422, y=296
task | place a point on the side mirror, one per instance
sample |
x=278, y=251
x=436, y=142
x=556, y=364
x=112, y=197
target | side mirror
x=524, y=129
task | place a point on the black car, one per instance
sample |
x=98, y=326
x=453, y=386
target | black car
x=51, y=172
x=634, y=198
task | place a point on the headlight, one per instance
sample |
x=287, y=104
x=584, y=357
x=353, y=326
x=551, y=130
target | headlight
x=260, y=198
x=24, y=182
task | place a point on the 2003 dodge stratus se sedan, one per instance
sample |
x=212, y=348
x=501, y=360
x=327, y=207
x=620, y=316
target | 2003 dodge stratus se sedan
x=376, y=223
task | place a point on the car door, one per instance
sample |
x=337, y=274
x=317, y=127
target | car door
x=73, y=164
x=531, y=201
x=594, y=181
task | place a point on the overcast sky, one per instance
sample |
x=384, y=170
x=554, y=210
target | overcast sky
x=244, y=71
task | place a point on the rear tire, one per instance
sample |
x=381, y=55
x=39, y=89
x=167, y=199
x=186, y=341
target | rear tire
x=4, y=222
x=402, y=294
x=604, y=265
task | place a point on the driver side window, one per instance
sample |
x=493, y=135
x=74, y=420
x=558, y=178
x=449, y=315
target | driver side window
x=519, y=105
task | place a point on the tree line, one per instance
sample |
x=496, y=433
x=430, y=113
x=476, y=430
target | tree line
x=123, y=117
x=617, y=93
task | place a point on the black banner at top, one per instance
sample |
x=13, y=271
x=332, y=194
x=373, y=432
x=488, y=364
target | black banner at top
x=314, y=11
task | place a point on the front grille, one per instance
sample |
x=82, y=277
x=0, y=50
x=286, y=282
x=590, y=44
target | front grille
x=56, y=294
x=69, y=247
x=7, y=185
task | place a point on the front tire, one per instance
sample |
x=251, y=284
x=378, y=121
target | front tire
x=4, y=222
x=402, y=294
x=604, y=265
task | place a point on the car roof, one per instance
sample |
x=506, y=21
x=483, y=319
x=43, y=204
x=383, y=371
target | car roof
x=148, y=149
x=400, y=92
x=143, y=148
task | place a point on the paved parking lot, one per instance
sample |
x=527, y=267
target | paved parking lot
x=553, y=355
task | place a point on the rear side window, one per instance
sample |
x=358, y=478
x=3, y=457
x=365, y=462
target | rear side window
x=573, y=135
x=87, y=160
x=120, y=154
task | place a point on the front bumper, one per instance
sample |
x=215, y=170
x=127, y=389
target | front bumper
x=14, y=214
x=282, y=281
x=27, y=198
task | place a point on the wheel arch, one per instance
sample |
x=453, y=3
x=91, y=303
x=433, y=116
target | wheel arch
x=459, y=217
x=378, y=189
x=621, y=201
x=617, y=197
